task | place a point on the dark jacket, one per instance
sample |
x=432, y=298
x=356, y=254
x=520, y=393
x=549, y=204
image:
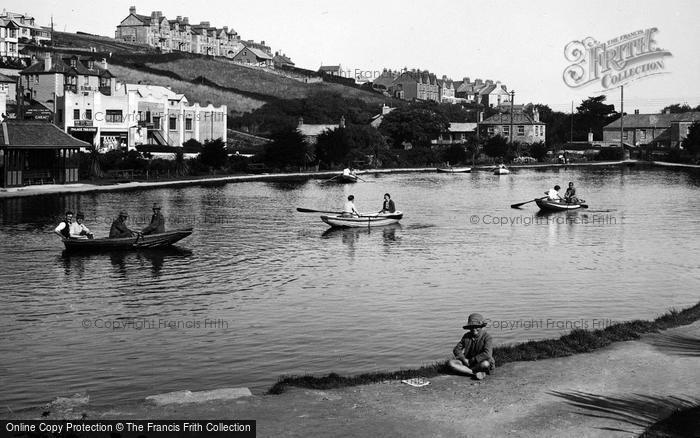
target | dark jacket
x=389, y=206
x=478, y=349
x=156, y=226
x=119, y=229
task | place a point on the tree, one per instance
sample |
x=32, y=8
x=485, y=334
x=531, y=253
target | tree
x=538, y=151
x=415, y=125
x=692, y=142
x=496, y=146
x=678, y=108
x=287, y=148
x=455, y=153
x=353, y=142
x=592, y=115
x=214, y=154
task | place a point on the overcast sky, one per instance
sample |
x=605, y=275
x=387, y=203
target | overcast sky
x=519, y=43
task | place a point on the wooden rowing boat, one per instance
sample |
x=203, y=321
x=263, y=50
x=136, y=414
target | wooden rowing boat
x=160, y=240
x=454, y=169
x=346, y=178
x=364, y=220
x=501, y=170
x=549, y=205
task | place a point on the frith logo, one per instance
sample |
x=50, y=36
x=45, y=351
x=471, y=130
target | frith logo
x=616, y=62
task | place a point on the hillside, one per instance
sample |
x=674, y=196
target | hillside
x=203, y=79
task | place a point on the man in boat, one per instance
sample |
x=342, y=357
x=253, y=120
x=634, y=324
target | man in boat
x=119, y=228
x=570, y=195
x=79, y=230
x=553, y=194
x=474, y=352
x=347, y=172
x=349, y=209
x=157, y=224
x=64, y=228
x=388, y=206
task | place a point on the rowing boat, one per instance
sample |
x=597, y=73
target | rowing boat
x=364, y=220
x=160, y=240
x=346, y=178
x=550, y=205
x=501, y=170
x=454, y=169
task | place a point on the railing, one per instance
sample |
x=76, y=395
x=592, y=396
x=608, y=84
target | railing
x=82, y=123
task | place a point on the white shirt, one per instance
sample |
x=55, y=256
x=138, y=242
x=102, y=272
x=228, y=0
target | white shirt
x=349, y=207
x=76, y=229
x=346, y=171
x=553, y=195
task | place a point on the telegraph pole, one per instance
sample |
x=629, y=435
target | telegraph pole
x=512, y=98
x=571, y=129
x=622, y=116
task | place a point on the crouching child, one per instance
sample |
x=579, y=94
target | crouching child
x=474, y=352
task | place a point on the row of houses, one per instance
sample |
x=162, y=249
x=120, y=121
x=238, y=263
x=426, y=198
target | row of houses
x=179, y=35
x=82, y=97
x=665, y=130
x=16, y=29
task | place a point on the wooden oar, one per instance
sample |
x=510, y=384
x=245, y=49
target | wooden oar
x=308, y=210
x=523, y=203
x=360, y=178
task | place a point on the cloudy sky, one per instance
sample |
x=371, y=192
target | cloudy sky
x=519, y=43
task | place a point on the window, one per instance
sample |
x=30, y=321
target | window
x=173, y=123
x=113, y=116
x=490, y=130
x=521, y=130
x=86, y=80
x=76, y=114
x=506, y=129
x=643, y=134
x=60, y=116
x=188, y=124
x=88, y=114
x=624, y=135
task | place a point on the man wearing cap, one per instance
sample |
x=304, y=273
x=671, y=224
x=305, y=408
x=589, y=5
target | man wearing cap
x=474, y=352
x=157, y=224
x=119, y=228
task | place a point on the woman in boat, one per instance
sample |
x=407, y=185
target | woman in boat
x=349, y=209
x=79, y=230
x=570, y=195
x=388, y=206
x=474, y=352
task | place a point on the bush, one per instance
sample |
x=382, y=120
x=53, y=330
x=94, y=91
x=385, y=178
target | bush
x=214, y=154
x=610, y=154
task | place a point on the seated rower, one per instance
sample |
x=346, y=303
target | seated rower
x=79, y=230
x=553, y=194
x=119, y=228
x=570, y=195
x=157, y=224
x=349, y=209
x=474, y=352
x=388, y=206
x=64, y=228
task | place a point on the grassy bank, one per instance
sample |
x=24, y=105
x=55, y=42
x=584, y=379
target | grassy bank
x=577, y=341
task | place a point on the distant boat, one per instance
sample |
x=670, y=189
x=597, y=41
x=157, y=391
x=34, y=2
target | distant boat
x=454, y=169
x=364, y=220
x=346, y=178
x=160, y=240
x=501, y=170
x=550, y=205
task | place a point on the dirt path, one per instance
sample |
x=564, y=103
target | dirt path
x=518, y=400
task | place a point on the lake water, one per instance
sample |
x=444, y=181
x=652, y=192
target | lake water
x=260, y=290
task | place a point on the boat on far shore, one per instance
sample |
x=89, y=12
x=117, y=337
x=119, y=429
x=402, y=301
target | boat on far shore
x=501, y=170
x=451, y=169
x=160, y=240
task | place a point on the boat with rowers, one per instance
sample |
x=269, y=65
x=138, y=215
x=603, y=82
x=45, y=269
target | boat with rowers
x=160, y=240
x=363, y=220
x=556, y=205
x=454, y=169
x=501, y=170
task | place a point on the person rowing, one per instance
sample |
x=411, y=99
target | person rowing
x=570, y=195
x=349, y=209
x=388, y=206
x=119, y=228
x=553, y=194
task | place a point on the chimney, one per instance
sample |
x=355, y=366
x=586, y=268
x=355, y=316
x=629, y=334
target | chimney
x=342, y=121
x=132, y=10
x=300, y=123
x=186, y=20
x=590, y=136
x=226, y=29
x=636, y=111
x=262, y=42
x=104, y=63
x=536, y=115
x=481, y=116
x=204, y=23
x=47, y=63
x=179, y=18
x=668, y=111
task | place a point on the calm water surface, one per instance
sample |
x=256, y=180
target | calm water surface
x=260, y=290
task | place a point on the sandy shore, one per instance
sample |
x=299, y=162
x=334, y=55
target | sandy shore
x=52, y=189
x=522, y=399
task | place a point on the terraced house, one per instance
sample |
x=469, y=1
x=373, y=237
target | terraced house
x=9, y=41
x=179, y=35
x=27, y=29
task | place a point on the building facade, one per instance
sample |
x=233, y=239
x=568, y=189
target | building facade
x=28, y=30
x=525, y=129
x=416, y=85
x=659, y=130
x=9, y=39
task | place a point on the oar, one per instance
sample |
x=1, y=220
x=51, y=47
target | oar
x=356, y=176
x=308, y=210
x=523, y=203
x=332, y=178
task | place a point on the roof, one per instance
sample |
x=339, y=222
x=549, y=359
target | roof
x=462, y=127
x=4, y=78
x=282, y=59
x=504, y=119
x=155, y=90
x=63, y=65
x=653, y=120
x=315, y=130
x=259, y=53
x=34, y=134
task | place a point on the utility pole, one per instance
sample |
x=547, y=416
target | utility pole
x=622, y=116
x=512, y=98
x=571, y=129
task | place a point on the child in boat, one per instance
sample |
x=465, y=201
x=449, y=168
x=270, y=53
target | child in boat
x=388, y=206
x=553, y=194
x=349, y=209
x=570, y=195
x=474, y=352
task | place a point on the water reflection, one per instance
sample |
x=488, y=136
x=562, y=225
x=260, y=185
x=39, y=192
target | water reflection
x=351, y=236
x=74, y=262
